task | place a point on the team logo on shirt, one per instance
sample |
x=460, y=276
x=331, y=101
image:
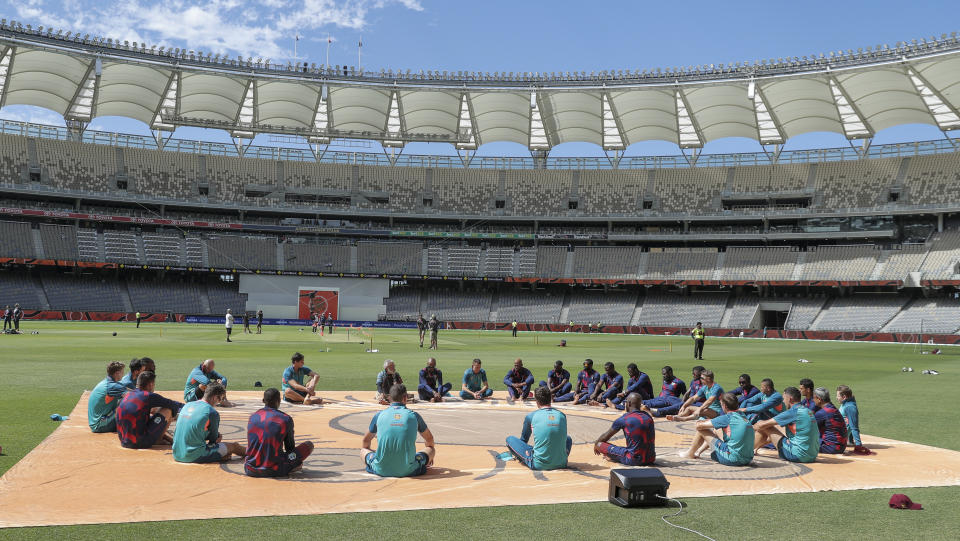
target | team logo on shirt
x=396, y=416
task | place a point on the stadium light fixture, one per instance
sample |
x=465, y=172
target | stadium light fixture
x=751, y=89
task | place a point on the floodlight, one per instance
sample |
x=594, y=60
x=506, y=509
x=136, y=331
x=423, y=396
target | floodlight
x=751, y=89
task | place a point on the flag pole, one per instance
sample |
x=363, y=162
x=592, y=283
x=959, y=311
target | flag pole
x=327, y=64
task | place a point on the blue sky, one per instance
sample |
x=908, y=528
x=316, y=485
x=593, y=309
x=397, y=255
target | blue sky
x=497, y=35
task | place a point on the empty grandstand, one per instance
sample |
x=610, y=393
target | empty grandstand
x=862, y=238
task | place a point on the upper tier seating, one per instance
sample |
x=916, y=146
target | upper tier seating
x=606, y=262
x=390, y=257
x=236, y=252
x=840, y=263
x=59, y=242
x=681, y=264
x=16, y=240
x=314, y=257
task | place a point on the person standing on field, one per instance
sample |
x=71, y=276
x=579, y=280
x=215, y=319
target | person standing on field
x=228, y=323
x=698, y=334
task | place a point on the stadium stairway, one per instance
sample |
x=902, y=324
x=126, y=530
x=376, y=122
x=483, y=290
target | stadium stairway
x=42, y=293
x=37, y=243
x=881, y=265
x=141, y=251
x=718, y=270
x=823, y=312
x=892, y=321
x=728, y=312
x=125, y=297
x=798, y=270
x=565, y=307
x=494, y=305
x=205, y=301
x=635, y=319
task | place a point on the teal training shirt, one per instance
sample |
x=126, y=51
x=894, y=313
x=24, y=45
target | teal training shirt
x=549, y=428
x=475, y=381
x=102, y=404
x=706, y=392
x=292, y=374
x=738, y=434
x=803, y=436
x=197, y=425
x=396, y=428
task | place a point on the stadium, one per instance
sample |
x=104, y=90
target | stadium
x=845, y=258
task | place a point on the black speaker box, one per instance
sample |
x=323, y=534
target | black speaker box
x=644, y=487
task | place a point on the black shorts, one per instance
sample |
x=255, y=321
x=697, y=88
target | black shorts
x=229, y=329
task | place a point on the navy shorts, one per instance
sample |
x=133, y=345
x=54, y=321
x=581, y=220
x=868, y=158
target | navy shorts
x=155, y=429
x=215, y=453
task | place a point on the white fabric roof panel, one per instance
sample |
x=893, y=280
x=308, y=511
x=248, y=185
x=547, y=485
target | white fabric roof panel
x=942, y=76
x=211, y=97
x=359, y=109
x=573, y=117
x=502, y=116
x=130, y=90
x=430, y=111
x=885, y=97
x=802, y=105
x=794, y=98
x=646, y=115
x=722, y=111
x=286, y=103
x=44, y=78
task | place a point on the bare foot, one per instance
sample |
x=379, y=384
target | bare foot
x=669, y=417
x=686, y=454
x=609, y=404
x=227, y=404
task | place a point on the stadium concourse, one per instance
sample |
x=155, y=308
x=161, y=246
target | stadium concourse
x=468, y=472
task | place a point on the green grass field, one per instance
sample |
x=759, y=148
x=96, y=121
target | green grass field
x=46, y=373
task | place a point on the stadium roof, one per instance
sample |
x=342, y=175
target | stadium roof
x=854, y=93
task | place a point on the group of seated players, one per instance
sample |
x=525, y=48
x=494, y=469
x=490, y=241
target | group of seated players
x=732, y=425
x=799, y=423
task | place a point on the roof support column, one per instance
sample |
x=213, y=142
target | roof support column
x=466, y=156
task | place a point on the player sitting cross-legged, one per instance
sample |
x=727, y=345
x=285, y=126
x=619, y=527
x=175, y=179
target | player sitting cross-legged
x=296, y=387
x=734, y=446
x=637, y=427
x=143, y=415
x=197, y=437
x=548, y=426
x=396, y=429
x=431, y=385
x=271, y=448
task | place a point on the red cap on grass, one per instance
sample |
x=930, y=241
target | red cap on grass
x=901, y=501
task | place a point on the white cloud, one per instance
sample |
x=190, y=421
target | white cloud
x=29, y=113
x=258, y=28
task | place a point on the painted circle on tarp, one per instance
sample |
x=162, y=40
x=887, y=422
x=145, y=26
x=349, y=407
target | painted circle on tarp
x=461, y=426
x=324, y=465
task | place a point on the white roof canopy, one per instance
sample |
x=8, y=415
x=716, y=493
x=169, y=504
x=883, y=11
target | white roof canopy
x=856, y=98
